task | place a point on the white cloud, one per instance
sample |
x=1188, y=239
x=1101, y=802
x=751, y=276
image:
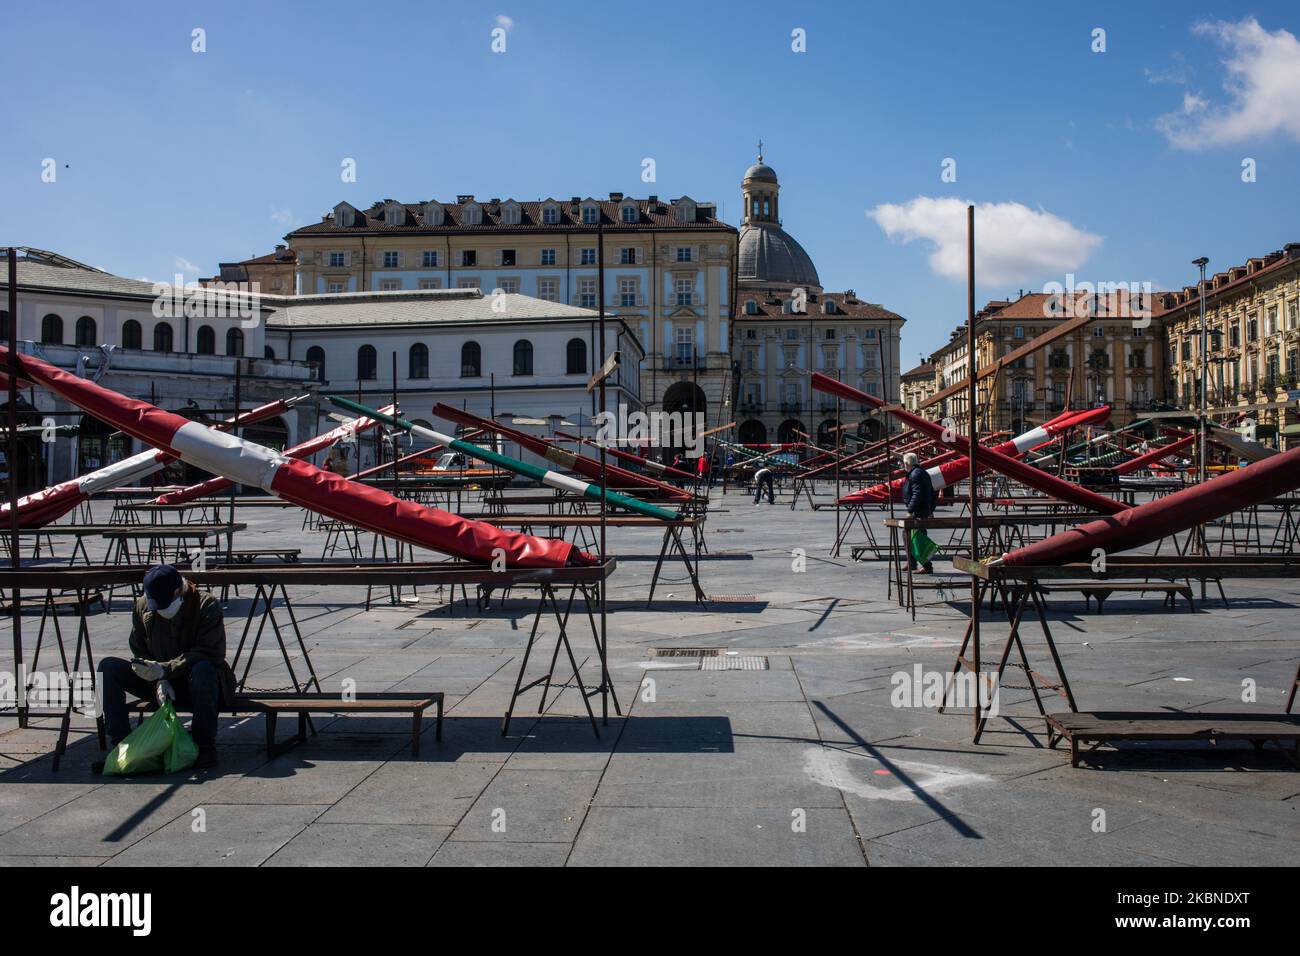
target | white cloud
x=505, y=23
x=1013, y=243
x=184, y=265
x=1263, y=75
x=282, y=217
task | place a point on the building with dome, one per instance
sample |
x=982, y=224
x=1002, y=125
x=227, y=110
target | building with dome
x=787, y=324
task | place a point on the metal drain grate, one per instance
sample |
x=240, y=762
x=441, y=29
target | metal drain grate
x=738, y=663
x=686, y=652
x=734, y=598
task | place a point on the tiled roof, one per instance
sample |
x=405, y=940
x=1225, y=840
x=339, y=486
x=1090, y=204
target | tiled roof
x=924, y=370
x=1033, y=307
x=424, y=307
x=1224, y=283
x=847, y=307
x=651, y=215
x=68, y=280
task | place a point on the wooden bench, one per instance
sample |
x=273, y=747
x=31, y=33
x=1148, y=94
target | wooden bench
x=249, y=555
x=79, y=603
x=275, y=704
x=1104, y=726
x=1101, y=590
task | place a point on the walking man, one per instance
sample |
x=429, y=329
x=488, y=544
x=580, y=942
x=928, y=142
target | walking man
x=918, y=498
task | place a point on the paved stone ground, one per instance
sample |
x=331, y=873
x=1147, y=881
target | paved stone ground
x=806, y=762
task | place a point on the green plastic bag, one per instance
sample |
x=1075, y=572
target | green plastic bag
x=923, y=546
x=161, y=742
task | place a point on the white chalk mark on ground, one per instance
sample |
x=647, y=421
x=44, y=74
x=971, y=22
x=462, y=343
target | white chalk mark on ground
x=866, y=776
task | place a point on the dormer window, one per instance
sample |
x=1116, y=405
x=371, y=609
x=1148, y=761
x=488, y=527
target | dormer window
x=684, y=209
x=828, y=308
x=589, y=214
x=550, y=214
x=472, y=215
x=433, y=214
x=511, y=214
x=629, y=213
x=394, y=214
x=751, y=307
x=345, y=214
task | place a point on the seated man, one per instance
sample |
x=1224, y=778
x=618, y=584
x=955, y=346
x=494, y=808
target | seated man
x=178, y=640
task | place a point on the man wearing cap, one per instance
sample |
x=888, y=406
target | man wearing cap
x=178, y=640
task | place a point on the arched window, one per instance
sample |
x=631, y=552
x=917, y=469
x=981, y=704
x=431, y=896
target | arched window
x=207, y=340
x=523, y=357
x=235, y=342
x=132, y=335
x=471, y=360
x=268, y=352
x=419, y=361
x=162, y=337
x=316, y=357
x=86, y=331
x=367, y=364
x=576, y=357
x=52, y=330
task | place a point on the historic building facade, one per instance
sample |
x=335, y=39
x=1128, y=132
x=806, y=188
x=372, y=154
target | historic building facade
x=1116, y=359
x=177, y=348
x=788, y=326
x=669, y=270
x=521, y=360
x=1252, y=312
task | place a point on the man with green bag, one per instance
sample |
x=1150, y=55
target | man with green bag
x=178, y=639
x=918, y=498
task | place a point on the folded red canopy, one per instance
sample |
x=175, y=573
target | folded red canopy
x=300, y=482
x=1177, y=512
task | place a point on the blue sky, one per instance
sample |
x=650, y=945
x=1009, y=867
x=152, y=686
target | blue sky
x=1117, y=166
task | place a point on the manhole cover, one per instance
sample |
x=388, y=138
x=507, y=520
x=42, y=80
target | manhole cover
x=686, y=652
x=738, y=663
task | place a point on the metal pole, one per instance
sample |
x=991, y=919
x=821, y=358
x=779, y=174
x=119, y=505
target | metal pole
x=1202, y=406
x=885, y=419
x=234, y=430
x=604, y=476
x=15, y=602
x=972, y=452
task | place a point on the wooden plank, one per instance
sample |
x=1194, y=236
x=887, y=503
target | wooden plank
x=606, y=370
x=1163, y=725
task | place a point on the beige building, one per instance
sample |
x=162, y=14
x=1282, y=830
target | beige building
x=1253, y=316
x=916, y=385
x=669, y=269
x=1117, y=359
x=787, y=325
x=274, y=273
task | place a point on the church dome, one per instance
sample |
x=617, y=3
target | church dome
x=770, y=255
x=762, y=172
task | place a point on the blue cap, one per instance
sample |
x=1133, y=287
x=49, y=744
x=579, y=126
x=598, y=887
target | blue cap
x=161, y=583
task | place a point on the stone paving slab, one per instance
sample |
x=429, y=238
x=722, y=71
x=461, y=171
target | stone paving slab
x=704, y=767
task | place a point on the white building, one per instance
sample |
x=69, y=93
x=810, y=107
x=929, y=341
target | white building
x=506, y=356
x=176, y=348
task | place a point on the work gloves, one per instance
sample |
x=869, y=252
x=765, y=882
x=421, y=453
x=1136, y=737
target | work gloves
x=148, y=670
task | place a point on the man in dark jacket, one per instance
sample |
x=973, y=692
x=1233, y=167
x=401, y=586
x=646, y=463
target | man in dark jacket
x=918, y=499
x=178, y=639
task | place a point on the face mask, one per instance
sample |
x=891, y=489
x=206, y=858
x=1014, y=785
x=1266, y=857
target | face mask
x=171, y=610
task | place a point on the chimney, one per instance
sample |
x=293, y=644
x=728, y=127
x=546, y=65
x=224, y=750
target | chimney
x=615, y=197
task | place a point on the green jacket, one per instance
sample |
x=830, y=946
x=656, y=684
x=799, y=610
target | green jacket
x=197, y=633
